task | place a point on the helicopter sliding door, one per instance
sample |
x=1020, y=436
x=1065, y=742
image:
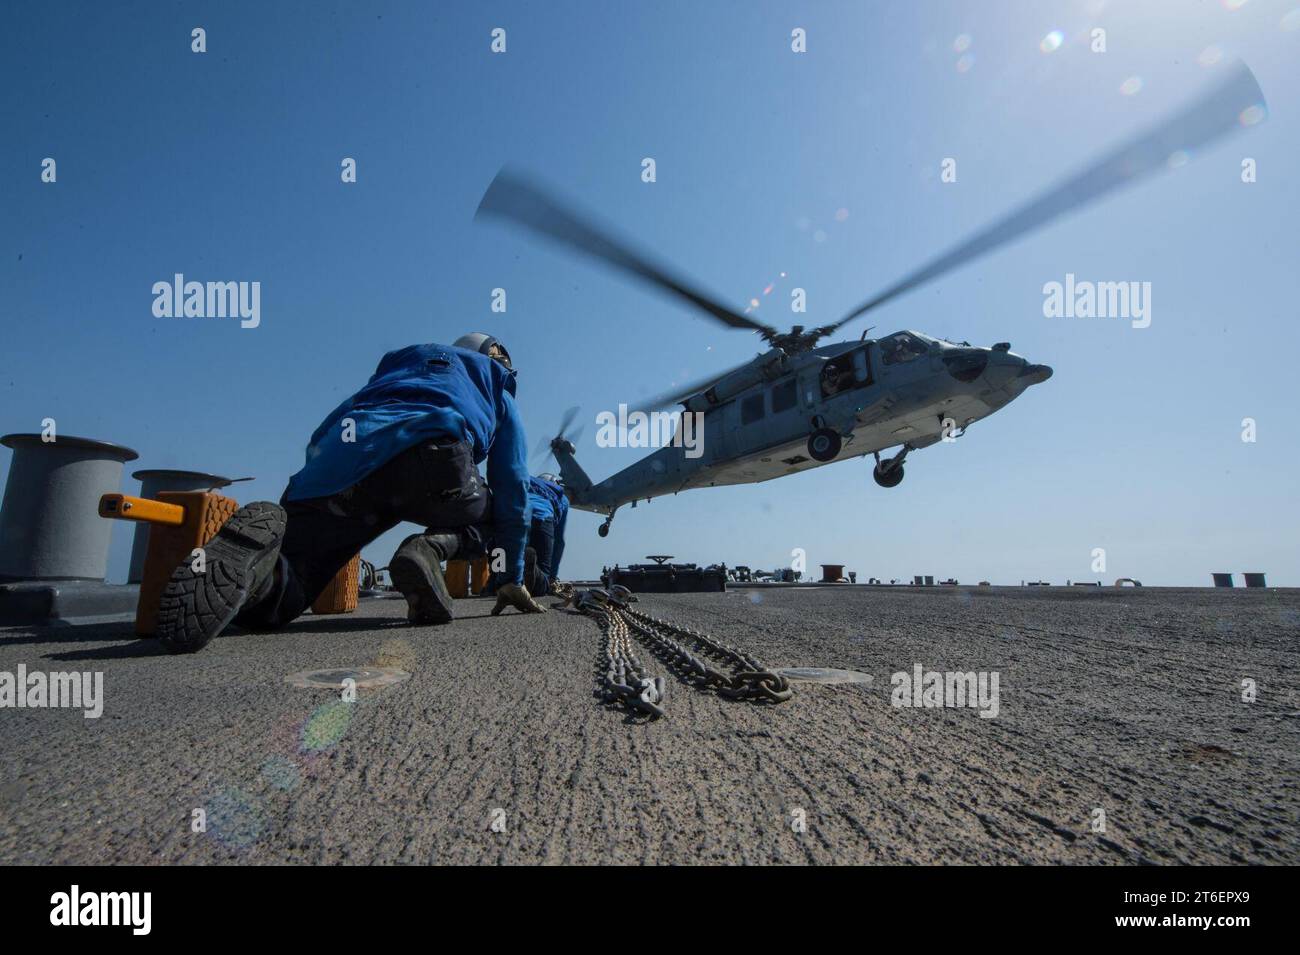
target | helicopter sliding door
x=809, y=390
x=758, y=419
x=841, y=389
x=720, y=431
x=748, y=414
x=786, y=410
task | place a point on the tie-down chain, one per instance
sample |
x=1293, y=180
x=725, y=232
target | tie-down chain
x=626, y=681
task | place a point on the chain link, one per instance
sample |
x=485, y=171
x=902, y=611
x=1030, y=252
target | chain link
x=626, y=680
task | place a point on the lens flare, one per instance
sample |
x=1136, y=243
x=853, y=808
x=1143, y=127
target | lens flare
x=754, y=302
x=962, y=43
x=396, y=653
x=234, y=818
x=326, y=726
x=1251, y=115
x=281, y=773
x=1290, y=21
x=1131, y=86
x=1052, y=42
x=965, y=63
x=1210, y=55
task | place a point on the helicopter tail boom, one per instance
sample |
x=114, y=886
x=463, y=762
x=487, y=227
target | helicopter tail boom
x=576, y=481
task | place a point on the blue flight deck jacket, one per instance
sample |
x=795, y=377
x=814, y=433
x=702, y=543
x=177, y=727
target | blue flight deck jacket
x=548, y=502
x=417, y=394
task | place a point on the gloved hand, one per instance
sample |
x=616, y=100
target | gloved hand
x=517, y=596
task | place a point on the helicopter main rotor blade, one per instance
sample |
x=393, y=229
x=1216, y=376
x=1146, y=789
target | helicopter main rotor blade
x=512, y=198
x=1211, y=116
x=682, y=392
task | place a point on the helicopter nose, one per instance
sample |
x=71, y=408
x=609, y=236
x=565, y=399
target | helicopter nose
x=1035, y=374
x=1002, y=368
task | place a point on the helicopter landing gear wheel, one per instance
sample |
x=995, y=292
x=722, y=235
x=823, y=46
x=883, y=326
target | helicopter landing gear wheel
x=888, y=478
x=603, y=529
x=889, y=473
x=824, y=445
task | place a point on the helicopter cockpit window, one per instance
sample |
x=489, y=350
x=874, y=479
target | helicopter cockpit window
x=900, y=348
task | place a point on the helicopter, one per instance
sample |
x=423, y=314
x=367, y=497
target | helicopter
x=801, y=404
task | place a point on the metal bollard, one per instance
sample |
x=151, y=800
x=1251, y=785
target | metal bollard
x=48, y=525
x=832, y=573
x=152, y=482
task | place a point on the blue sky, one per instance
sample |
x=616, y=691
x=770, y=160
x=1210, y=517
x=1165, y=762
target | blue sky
x=225, y=166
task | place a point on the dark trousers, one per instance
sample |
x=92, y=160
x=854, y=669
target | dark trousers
x=541, y=538
x=541, y=548
x=435, y=484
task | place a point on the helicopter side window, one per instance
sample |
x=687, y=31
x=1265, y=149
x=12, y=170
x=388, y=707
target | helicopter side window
x=751, y=409
x=900, y=348
x=784, y=395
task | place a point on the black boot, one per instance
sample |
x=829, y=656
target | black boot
x=415, y=570
x=238, y=569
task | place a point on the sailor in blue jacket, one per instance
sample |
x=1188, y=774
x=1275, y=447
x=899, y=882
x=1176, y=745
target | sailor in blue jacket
x=550, y=512
x=406, y=447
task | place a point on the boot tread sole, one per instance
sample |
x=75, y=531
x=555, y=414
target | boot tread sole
x=195, y=607
x=423, y=605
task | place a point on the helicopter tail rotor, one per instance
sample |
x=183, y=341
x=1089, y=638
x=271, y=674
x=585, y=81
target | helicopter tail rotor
x=564, y=440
